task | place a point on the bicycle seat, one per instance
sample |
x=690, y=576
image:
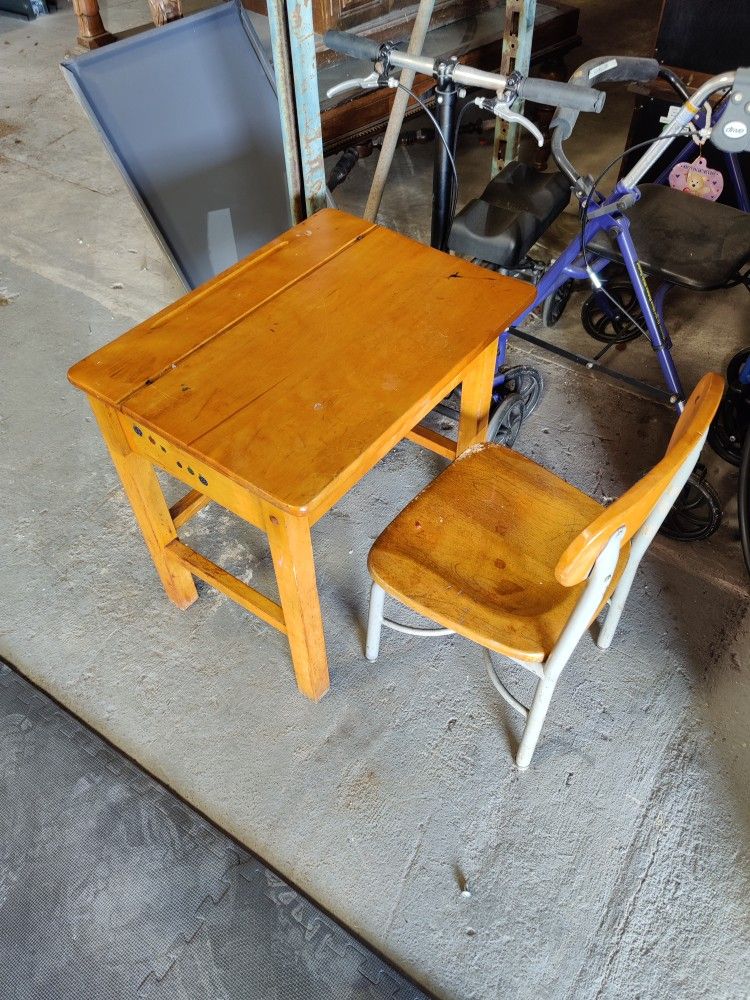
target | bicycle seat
x=507, y=219
x=684, y=239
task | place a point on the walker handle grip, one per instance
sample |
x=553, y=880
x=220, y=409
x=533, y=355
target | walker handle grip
x=614, y=69
x=352, y=45
x=603, y=69
x=564, y=95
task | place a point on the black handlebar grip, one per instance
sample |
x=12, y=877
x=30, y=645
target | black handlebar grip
x=562, y=95
x=613, y=69
x=352, y=45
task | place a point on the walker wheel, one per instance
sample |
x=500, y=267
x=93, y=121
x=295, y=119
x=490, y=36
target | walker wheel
x=603, y=321
x=506, y=419
x=730, y=425
x=526, y=382
x=724, y=434
x=554, y=304
x=696, y=513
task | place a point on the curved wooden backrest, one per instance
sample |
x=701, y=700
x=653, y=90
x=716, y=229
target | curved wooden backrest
x=633, y=507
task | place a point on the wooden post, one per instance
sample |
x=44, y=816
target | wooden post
x=91, y=31
x=164, y=11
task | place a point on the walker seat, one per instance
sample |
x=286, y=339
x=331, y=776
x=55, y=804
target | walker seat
x=685, y=240
x=515, y=209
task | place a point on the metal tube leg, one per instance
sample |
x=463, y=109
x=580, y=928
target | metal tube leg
x=535, y=721
x=374, y=622
x=616, y=605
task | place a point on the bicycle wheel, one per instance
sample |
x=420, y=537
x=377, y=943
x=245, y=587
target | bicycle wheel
x=696, y=513
x=604, y=321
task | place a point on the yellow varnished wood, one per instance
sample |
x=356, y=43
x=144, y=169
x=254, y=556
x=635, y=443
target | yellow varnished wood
x=291, y=551
x=498, y=548
x=183, y=465
x=247, y=597
x=433, y=441
x=476, y=396
x=275, y=387
x=187, y=507
x=149, y=507
x=147, y=351
x=634, y=506
x=295, y=397
x=476, y=551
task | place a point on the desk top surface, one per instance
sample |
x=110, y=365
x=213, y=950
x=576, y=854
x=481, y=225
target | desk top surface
x=294, y=367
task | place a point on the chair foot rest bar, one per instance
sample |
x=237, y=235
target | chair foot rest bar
x=414, y=630
x=247, y=597
x=502, y=689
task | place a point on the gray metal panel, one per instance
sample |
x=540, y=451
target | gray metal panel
x=189, y=114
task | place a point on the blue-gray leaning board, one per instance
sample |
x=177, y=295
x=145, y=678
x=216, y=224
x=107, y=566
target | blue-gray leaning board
x=190, y=116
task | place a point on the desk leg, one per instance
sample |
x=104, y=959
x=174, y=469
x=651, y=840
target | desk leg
x=291, y=550
x=149, y=506
x=476, y=398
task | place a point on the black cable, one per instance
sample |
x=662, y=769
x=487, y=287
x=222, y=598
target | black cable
x=461, y=113
x=438, y=131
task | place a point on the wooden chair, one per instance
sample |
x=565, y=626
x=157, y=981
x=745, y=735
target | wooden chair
x=503, y=552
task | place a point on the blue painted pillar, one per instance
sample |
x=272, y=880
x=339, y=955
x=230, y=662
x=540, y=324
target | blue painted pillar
x=517, y=38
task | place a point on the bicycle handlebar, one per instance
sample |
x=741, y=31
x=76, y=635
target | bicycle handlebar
x=540, y=91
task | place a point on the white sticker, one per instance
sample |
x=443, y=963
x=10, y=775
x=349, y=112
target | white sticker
x=609, y=64
x=735, y=130
x=670, y=115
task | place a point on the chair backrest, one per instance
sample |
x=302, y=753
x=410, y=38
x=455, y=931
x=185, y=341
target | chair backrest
x=634, y=507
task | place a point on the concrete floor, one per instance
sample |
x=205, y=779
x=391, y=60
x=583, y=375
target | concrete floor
x=617, y=867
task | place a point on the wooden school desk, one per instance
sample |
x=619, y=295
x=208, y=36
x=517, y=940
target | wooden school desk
x=275, y=387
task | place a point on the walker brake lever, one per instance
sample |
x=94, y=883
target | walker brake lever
x=501, y=109
x=356, y=83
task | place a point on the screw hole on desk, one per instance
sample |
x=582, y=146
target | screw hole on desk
x=179, y=465
x=163, y=448
x=151, y=439
x=190, y=471
x=138, y=431
x=202, y=479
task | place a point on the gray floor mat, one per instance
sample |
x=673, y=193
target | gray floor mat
x=111, y=887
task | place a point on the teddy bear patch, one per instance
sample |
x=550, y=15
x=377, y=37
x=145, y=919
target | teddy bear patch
x=698, y=179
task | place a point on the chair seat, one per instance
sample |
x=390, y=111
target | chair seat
x=685, y=239
x=476, y=552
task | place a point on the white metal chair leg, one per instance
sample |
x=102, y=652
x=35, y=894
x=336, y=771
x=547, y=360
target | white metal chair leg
x=638, y=547
x=374, y=622
x=616, y=604
x=537, y=714
x=577, y=624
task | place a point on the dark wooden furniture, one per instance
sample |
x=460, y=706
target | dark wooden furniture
x=477, y=41
x=697, y=40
